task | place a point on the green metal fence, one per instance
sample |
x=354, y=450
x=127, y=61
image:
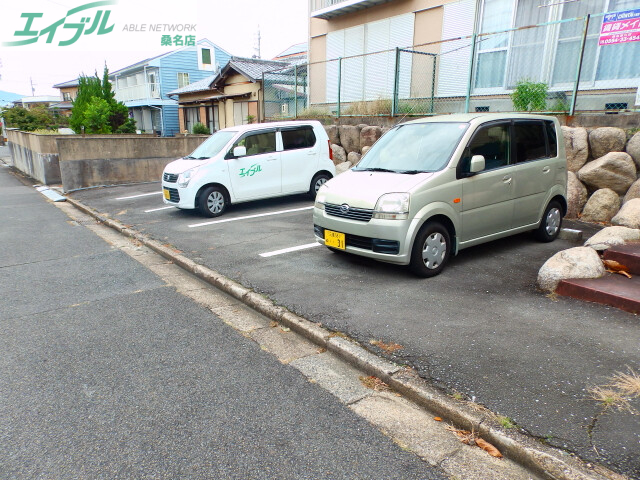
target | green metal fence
x=567, y=66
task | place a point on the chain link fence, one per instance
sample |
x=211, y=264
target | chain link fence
x=581, y=64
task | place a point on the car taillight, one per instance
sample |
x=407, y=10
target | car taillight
x=330, y=151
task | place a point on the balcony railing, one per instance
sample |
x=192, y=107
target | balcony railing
x=138, y=92
x=327, y=9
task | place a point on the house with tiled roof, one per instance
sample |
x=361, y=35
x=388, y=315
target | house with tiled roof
x=235, y=96
x=144, y=87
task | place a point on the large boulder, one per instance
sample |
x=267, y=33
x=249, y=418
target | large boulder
x=354, y=158
x=576, y=141
x=576, y=196
x=602, y=206
x=633, y=148
x=369, y=136
x=365, y=149
x=615, y=170
x=334, y=134
x=611, y=236
x=342, y=167
x=339, y=154
x=577, y=262
x=350, y=138
x=606, y=139
x=633, y=192
x=629, y=215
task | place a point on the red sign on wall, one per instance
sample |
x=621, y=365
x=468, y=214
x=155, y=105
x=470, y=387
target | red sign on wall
x=620, y=27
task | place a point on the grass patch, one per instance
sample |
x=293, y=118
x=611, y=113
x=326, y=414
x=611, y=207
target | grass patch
x=610, y=398
x=506, y=422
x=627, y=383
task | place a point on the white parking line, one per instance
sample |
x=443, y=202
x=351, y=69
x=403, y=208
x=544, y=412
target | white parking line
x=249, y=216
x=141, y=195
x=287, y=250
x=157, y=209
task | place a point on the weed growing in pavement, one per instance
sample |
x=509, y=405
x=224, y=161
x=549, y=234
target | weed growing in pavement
x=610, y=398
x=506, y=422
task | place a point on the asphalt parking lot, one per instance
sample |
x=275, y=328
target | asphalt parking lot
x=480, y=329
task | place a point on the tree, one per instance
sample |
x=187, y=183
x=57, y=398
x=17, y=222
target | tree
x=29, y=120
x=98, y=117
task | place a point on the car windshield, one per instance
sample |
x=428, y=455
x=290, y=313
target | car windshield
x=414, y=148
x=212, y=145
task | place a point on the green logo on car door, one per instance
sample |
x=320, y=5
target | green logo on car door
x=251, y=171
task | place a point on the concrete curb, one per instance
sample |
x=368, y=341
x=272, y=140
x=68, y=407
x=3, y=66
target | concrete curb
x=540, y=459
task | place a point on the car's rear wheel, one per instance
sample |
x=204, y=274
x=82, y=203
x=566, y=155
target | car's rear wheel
x=212, y=201
x=550, y=224
x=431, y=250
x=318, y=180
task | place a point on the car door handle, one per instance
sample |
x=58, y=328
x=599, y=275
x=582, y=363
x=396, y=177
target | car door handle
x=311, y=153
x=546, y=169
x=506, y=179
x=271, y=159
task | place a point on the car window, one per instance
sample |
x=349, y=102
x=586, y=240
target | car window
x=294, y=138
x=414, y=147
x=552, y=138
x=258, y=143
x=530, y=139
x=493, y=143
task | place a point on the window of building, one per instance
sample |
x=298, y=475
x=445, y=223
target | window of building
x=66, y=96
x=183, y=80
x=369, y=77
x=191, y=117
x=245, y=112
x=213, y=118
x=206, y=56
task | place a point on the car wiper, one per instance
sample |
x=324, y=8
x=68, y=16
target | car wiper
x=375, y=170
x=201, y=158
x=412, y=172
x=189, y=158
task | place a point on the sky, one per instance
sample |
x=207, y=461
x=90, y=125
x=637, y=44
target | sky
x=233, y=25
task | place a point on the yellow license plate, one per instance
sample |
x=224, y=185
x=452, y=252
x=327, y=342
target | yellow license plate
x=166, y=193
x=334, y=239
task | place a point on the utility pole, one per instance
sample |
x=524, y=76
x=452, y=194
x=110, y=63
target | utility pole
x=256, y=45
x=33, y=90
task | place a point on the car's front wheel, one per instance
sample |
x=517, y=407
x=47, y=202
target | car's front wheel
x=550, y=224
x=212, y=201
x=431, y=250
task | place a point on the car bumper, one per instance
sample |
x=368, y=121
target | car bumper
x=178, y=197
x=384, y=240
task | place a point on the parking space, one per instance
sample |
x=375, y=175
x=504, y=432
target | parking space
x=480, y=328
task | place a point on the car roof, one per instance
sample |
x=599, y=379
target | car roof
x=258, y=126
x=480, y=117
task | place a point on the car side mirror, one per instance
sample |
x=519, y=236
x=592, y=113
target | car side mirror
x=477, y=164
x=241, y=151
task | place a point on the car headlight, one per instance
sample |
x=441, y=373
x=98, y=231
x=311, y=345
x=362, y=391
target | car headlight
x=320, y=197
x=392, y=206
x=185, y=177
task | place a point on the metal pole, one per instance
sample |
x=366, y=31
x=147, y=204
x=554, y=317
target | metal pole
x=579, y=69
x=264, y=111
x=396, y=82
x=295, y=93
x=339, y=83
x=467, y=100
x=433, y=83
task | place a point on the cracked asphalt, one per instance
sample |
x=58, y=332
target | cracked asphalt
x=480, y=330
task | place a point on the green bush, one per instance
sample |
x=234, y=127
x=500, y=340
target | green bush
x=529, y=96
x=201, y=129
x=36, y=118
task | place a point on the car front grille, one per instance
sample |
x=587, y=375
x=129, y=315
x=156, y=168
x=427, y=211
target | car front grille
x=174, y=196
x=170, y=177
x=351, y=213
